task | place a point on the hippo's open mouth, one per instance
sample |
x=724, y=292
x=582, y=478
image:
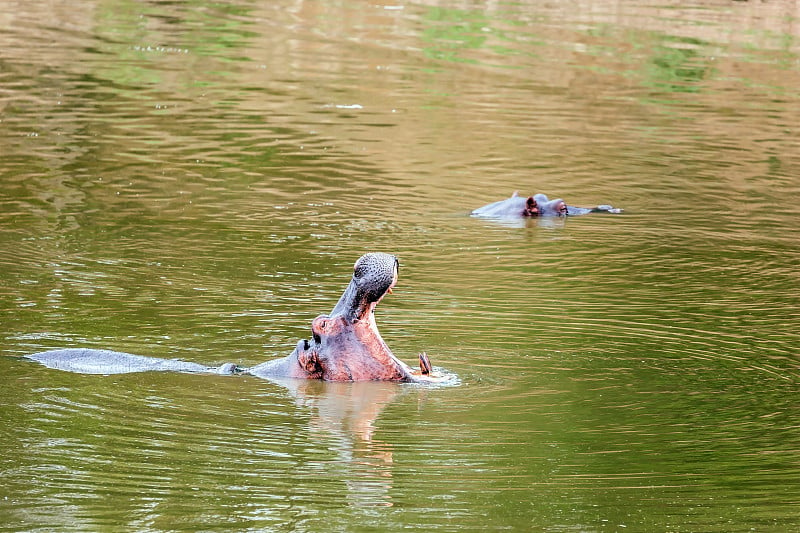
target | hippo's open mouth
x=346, y=345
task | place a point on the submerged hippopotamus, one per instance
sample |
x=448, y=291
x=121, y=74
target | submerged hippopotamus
x=536, y=206
x=344, y=346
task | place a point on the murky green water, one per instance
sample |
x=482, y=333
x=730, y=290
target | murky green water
x=195, y=180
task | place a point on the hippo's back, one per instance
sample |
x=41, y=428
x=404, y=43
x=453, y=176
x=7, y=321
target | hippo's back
x=88, y=361
x=510, y=207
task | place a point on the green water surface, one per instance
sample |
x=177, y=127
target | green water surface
x=196, y=180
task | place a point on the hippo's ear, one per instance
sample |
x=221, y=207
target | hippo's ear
x=309, y=361
x=531, y=208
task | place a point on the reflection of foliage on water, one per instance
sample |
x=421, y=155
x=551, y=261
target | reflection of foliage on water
x=451, y=33
x=678, y=66
x=153, y=41
x=453, y=30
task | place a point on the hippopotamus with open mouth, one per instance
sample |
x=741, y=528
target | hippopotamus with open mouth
x=344, y=346
x=536, y=206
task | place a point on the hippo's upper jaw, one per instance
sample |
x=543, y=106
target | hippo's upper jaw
x=346, y=345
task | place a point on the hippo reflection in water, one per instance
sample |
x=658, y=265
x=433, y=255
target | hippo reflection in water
x=537, y=205
x=344, y=346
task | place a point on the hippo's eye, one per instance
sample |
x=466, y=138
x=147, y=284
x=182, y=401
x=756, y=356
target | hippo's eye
x=359, y=271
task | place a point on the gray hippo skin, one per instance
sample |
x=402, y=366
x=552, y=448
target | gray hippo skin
x=537, y=205
x=344, y=346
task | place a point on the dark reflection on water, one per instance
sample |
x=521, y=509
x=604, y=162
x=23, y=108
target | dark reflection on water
x=197, y=180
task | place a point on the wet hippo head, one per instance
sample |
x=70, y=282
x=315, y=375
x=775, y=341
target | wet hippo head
x=346, y=345
x=537, y=205
x=545, y=207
